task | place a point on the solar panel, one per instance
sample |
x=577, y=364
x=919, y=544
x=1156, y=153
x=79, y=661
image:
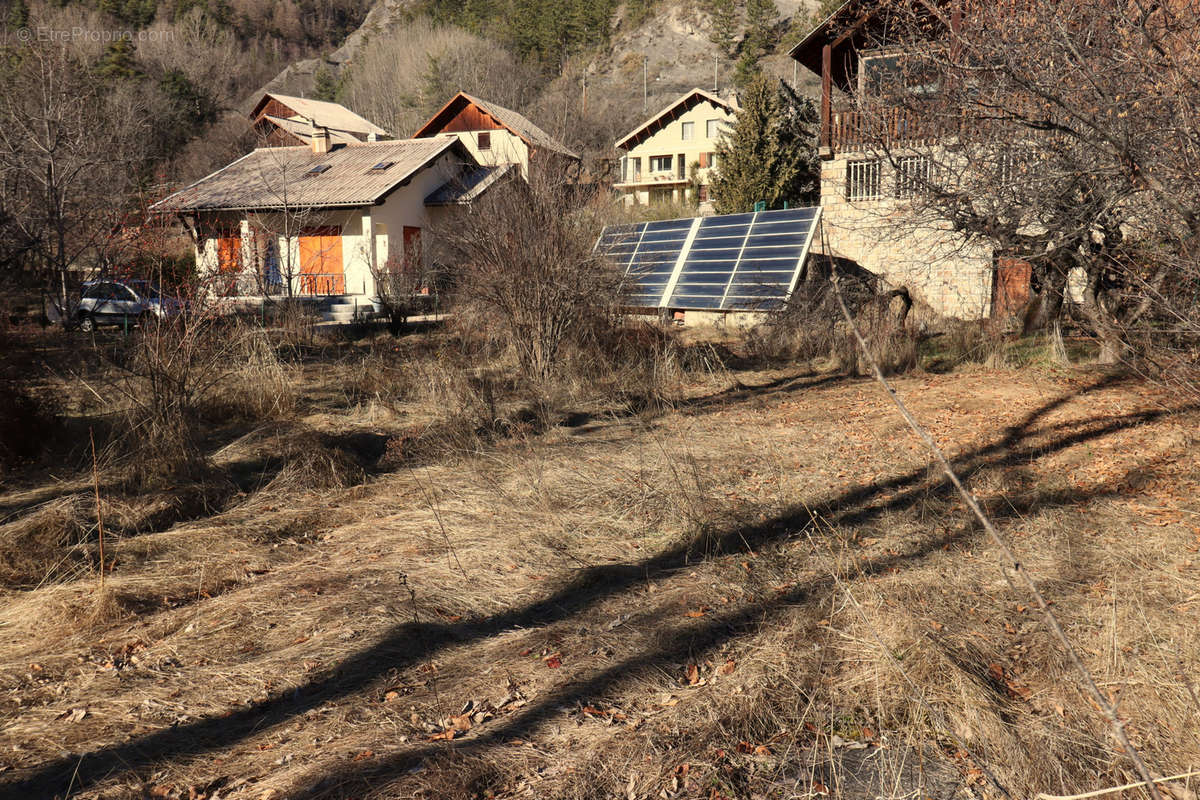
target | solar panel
x=719, y=263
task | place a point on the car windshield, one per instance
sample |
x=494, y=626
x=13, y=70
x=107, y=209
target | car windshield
x=145, y=289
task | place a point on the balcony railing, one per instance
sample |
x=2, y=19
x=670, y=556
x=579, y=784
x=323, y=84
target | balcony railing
x=317, y=284
x=855, y=131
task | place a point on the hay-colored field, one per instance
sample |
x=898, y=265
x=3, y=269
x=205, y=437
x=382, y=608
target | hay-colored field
x=762, y=593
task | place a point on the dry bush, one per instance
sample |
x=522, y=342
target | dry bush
x=638, y=365
x=811, y=326
x=257, y=387
x=45, y=544
x=882, y=321
x=178, y=375
x=310, y=463
x=527, y=267
x=973, y=342
x=292, y=324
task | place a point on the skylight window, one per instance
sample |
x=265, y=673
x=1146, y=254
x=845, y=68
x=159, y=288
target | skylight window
x=381, y=166
x=318, y=169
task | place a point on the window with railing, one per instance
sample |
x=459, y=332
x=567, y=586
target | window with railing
x=660, y=163
x=863, y=180
x=913, y=176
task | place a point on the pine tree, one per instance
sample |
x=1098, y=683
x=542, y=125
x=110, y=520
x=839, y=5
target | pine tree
x=118, y=62
x=760, y=22
x=770, y=153
x=18, y=15
x=325, y=86
x=723, y=14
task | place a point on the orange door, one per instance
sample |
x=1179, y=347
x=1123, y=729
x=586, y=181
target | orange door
x=413, y=256
x=321, y=261
x=229, y=262
x=1011, y=287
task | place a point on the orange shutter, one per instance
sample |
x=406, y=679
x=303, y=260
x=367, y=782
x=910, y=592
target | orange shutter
x=321, y=261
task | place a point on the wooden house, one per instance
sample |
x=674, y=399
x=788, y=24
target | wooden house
x=284, y=121
x=495, y=135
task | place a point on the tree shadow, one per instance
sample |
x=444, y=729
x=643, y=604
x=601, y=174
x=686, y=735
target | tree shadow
x=410, y=643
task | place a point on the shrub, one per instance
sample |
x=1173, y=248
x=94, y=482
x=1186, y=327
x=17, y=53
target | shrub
x=524, y=254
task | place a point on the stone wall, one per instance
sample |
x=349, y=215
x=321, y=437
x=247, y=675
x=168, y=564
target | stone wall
x=954, y=279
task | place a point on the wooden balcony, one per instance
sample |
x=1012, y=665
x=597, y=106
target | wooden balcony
x=856, y=131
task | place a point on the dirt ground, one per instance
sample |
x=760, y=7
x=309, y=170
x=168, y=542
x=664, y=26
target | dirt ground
x=762, y=593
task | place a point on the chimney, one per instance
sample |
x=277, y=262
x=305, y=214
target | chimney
x=320, y=138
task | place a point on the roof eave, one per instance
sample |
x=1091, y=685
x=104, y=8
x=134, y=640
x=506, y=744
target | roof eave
x=620, y=144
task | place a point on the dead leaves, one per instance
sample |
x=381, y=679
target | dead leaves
x=1006, y=678
x=73, y=715
x=693, y=676
x=471, y=715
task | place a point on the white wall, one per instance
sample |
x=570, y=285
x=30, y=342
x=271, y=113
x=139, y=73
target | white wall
x=507, y=148
x=405, y=206
x=952, y=277
x=669, y=141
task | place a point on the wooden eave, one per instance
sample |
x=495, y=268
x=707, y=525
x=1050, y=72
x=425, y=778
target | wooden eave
x=854, y=26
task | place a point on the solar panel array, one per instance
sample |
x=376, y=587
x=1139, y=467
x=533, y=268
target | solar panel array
x=719, y=263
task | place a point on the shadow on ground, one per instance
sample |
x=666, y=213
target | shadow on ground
x=411, y=643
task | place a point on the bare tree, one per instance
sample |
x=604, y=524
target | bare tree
x=70, y=151
x=402, y=77
x=1061, y=135
x=525, y=262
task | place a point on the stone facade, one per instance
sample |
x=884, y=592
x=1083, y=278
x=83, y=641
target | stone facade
x=863, y=220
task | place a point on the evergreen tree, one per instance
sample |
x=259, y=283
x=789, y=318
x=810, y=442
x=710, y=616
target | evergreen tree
x=118, y=62
x=18, y=15
x=325, y=86
x=760, y=23
x=770, y=153
x=723, y=14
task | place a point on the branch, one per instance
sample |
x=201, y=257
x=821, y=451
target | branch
x=1089, y=683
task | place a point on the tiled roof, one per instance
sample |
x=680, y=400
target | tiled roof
x=517, y=123
x=690, y=99
x=329, y=115
x=473, y=182
x=281, y=177
x=302, y=130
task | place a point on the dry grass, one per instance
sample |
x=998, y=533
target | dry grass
x=756, y=590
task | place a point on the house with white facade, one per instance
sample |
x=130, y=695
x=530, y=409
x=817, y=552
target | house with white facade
x=324, y=220
x=674, y=150
x=496, y=136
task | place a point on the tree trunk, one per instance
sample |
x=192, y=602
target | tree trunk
x=1113, y=347
x=1046, y=304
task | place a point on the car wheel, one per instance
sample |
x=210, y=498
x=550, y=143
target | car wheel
x=87, y=324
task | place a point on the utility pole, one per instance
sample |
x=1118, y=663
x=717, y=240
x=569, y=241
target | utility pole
x=584, y=109
x=716, y=58
x=645, y=85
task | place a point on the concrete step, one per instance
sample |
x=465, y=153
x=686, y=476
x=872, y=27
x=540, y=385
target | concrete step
x=337, y=308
